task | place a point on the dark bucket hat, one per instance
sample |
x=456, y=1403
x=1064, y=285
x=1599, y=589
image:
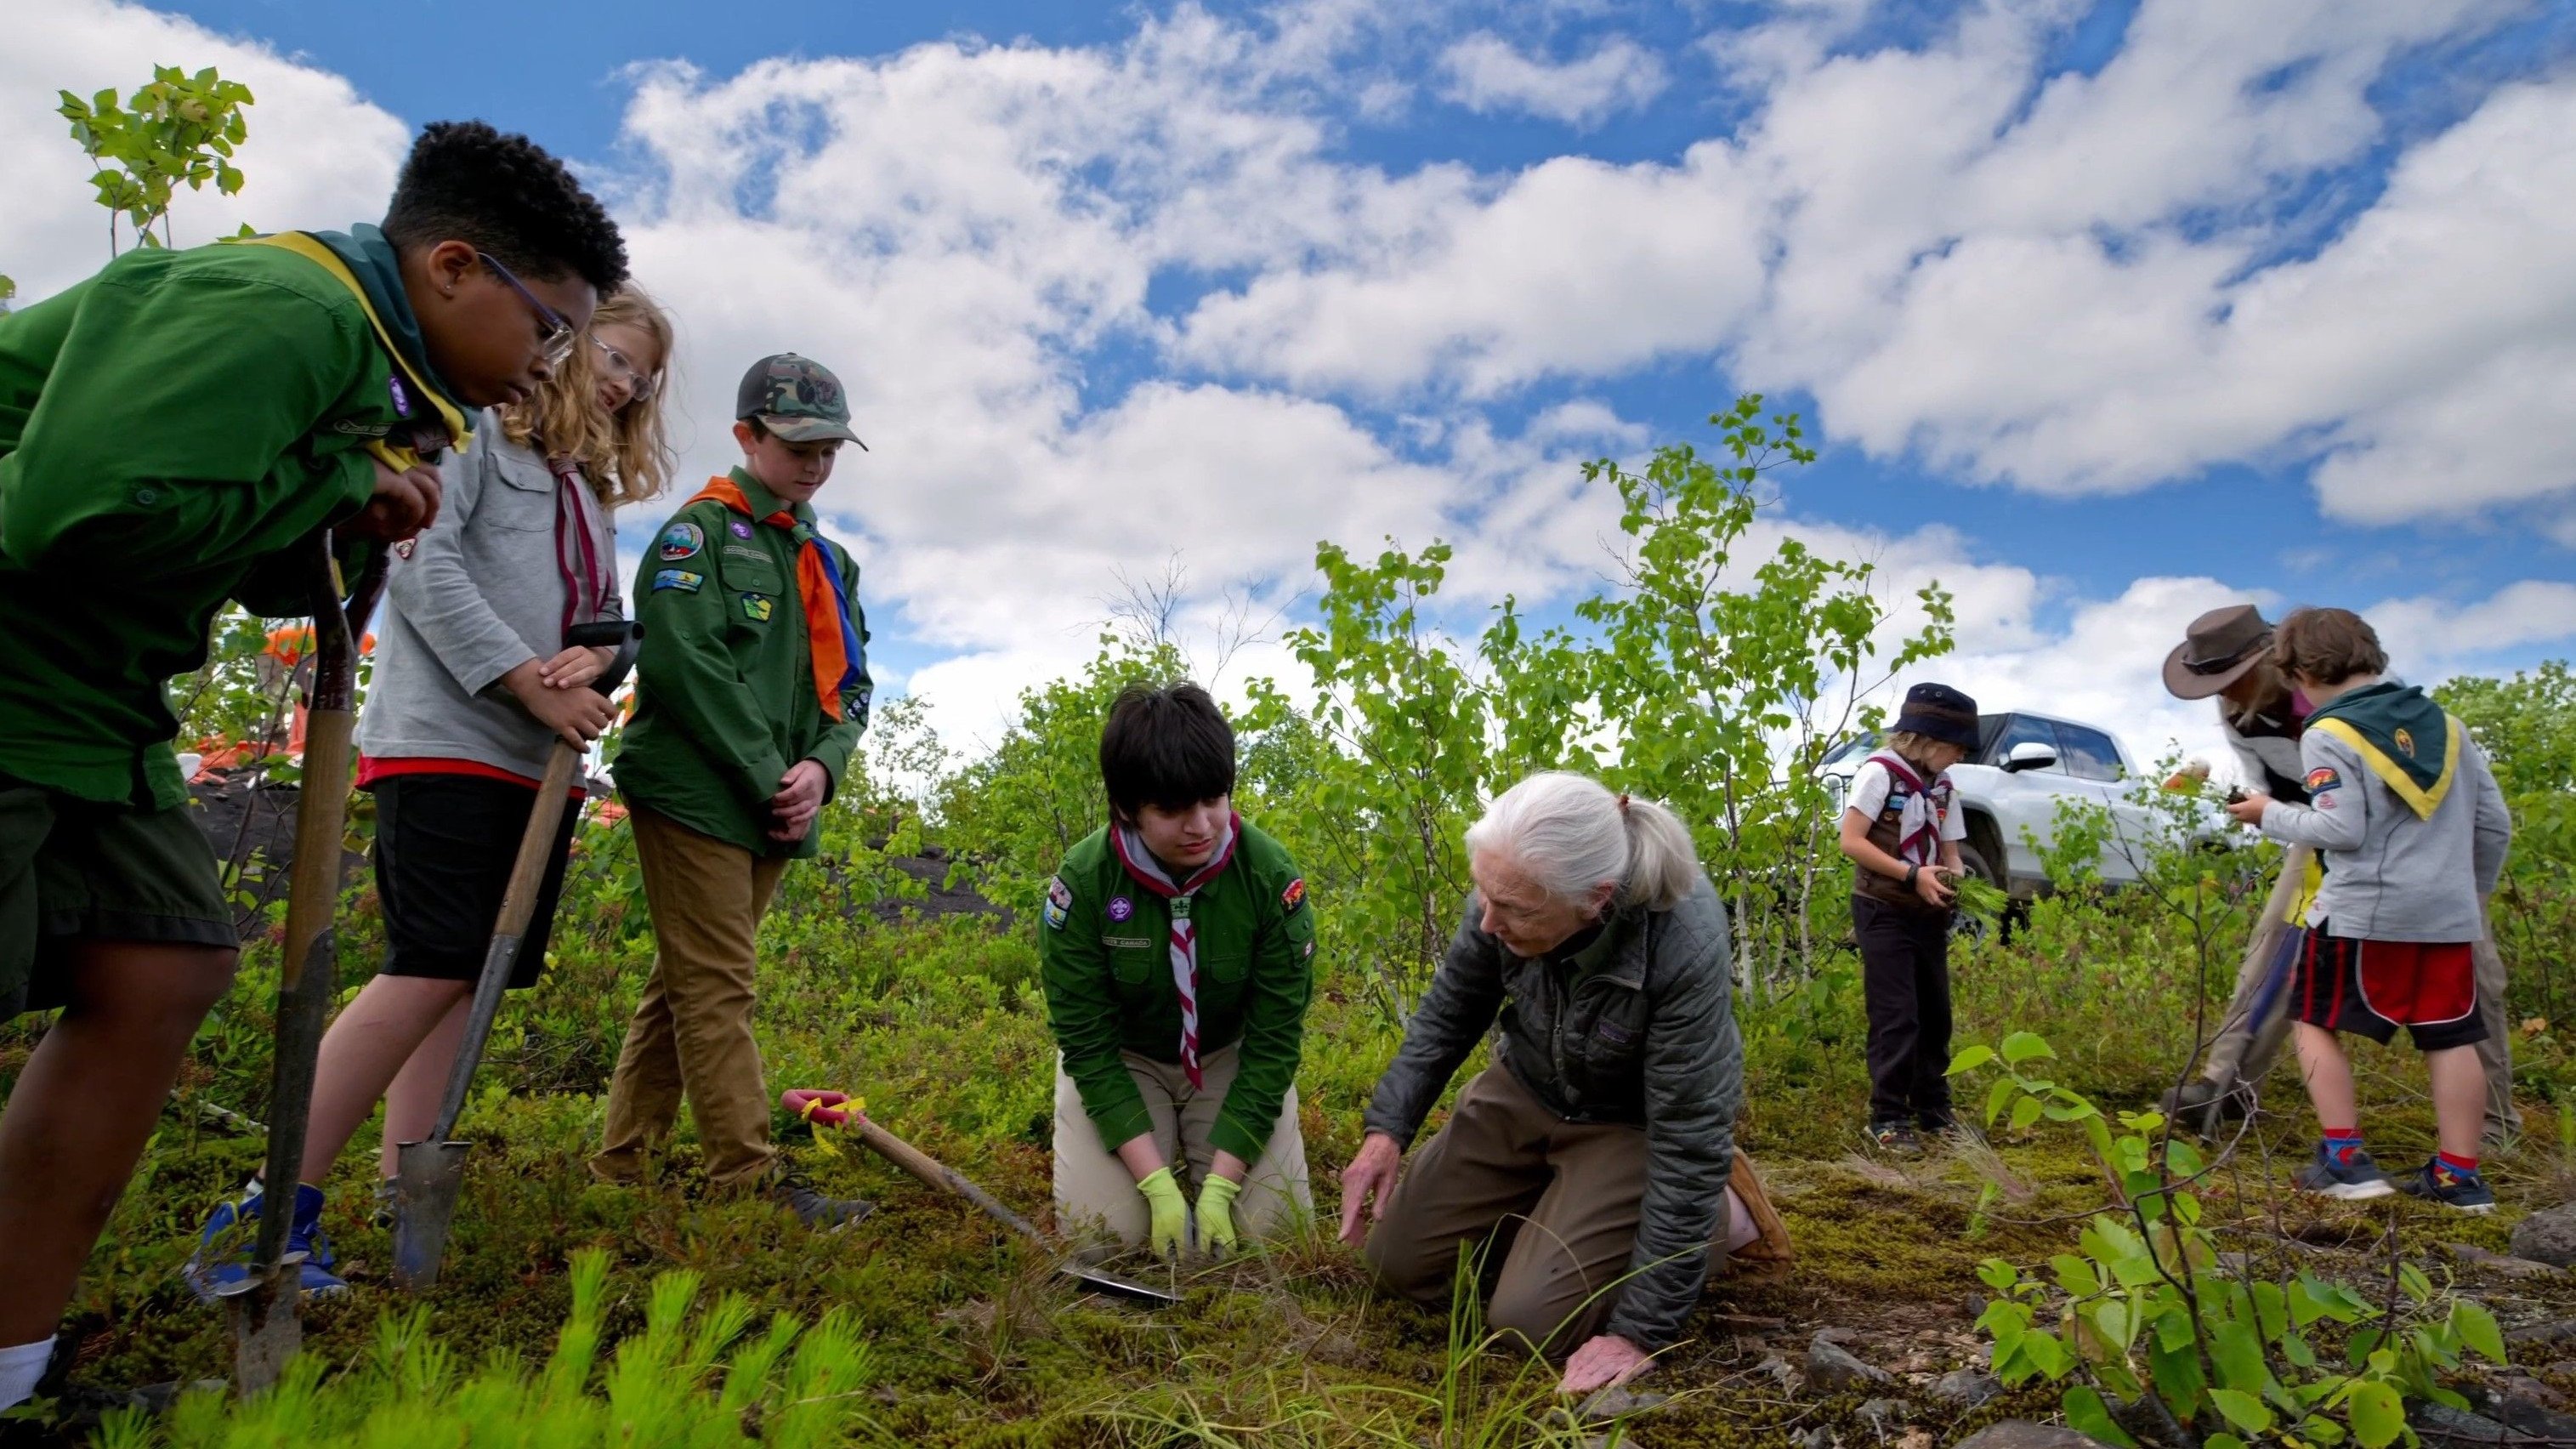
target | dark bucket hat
x=2216, y=651
x=1938, y=712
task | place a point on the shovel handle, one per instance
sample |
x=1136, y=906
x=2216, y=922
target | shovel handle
x=921, y=1165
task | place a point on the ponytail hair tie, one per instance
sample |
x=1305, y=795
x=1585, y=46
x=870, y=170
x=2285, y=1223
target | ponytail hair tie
x=1623, y=802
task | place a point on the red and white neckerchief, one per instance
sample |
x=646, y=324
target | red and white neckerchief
x=1918, y=827
x=1149, y=873
x=585, y=582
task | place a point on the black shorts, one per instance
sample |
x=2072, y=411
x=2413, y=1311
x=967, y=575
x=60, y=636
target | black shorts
x=444, y=847
x=73, y=870
x=2371, y=988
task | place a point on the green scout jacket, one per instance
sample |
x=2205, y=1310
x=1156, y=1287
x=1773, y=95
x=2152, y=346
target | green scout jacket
x=724, y=692
x=166, y=427
x=1108, y=976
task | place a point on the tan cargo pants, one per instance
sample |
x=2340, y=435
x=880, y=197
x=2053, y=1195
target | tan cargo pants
x=1557, y=1201
x=691, y=1032
x=1095, y=1197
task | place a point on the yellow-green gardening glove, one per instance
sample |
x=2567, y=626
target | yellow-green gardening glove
x=1170, y=1223
x=1216, y=1216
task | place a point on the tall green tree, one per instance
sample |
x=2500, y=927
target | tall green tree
x=178, y=130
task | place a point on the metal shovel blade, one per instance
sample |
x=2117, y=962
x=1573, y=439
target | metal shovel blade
x=427, y=1176
x=1115, y=1286
x=267, y=1330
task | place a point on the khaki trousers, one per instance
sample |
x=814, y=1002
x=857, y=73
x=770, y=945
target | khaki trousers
x=1095, y=1197
x=2245, y=1049
x=691, y=1032
x=1557, y=1201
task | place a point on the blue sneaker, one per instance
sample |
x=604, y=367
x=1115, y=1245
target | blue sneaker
x=2354, y=1178
x=2467, y=1192
x=224, y=1248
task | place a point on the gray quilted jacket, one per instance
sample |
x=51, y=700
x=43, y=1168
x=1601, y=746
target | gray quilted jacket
x=1647, y=1037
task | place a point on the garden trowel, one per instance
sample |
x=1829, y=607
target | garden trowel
x=428, y=1173
x=263, y=1304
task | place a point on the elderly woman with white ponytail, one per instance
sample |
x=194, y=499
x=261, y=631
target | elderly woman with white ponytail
x=1590, y=1162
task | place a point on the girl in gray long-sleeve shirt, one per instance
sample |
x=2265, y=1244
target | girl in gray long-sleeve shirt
x=472, y=686
x=2414, y=831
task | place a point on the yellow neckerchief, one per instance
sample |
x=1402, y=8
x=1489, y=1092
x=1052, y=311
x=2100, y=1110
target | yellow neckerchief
x=398, y=456
x=2422, y=799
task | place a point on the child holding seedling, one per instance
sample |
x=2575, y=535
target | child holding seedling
x=472, y=689
x=752, y=689
x=1902, y=832
x=178, y=424
x=2415, y=832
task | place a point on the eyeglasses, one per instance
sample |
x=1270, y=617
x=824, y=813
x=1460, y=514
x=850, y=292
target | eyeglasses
x=620, y=365
x=557, y=335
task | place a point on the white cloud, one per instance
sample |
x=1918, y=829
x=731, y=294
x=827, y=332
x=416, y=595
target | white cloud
x=1488, y=74
x=318, y=156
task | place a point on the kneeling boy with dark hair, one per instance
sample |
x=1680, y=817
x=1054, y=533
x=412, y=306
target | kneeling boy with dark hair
x=1178, y=955
x=173, y=426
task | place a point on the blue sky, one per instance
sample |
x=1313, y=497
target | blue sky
x=2104, y=312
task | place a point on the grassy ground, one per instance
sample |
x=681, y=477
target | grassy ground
x=971, y=1341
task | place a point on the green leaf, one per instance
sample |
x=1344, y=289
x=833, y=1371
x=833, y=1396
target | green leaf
x=2477, y=1329
x=2238, y=1358
x=1996, y=1096
x=1997, y=1274
x=2378, y=1415
x=2086, y=1414
x=1971, y=1059
x=2075, y=1275
x=2023, y=1046
x=2242, y=1409
x=2026, y=1111
x=2223, y=1441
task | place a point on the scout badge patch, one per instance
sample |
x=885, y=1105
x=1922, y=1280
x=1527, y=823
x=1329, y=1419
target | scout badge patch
x=681, y=579
x=755, y=608
x=1295, y=895
x=1059, y=903
x=681, y=539
x=1121, y=908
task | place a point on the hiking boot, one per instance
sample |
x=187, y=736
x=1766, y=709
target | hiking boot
x=815, y=1210
x=1896, y=1139
x=2435, y=1183
x=224, y=1249
x=1951, y=1129
x=2351, y=1180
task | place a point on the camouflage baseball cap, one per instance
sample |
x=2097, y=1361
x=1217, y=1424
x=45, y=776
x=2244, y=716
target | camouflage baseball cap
x=797, y=398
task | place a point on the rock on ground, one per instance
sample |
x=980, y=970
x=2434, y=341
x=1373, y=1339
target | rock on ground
x=2547, y=1236
x=1967, y=1387
x=1831, y=1370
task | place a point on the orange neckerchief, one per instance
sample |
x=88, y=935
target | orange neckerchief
x=828, y=631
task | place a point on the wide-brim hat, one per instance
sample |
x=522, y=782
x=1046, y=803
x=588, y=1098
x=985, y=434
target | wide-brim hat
x=2218, y=649
x=1938, y=712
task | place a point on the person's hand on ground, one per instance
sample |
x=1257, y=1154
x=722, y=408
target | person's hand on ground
x=1217, y=1236
x=1931, y=888
x=577, y=716
x=575, y=667
x=1368, y=1182
x=1603, y=1362
x=404, y=503
x=2249, y=811
x=799, y=799
x=1168, y=1213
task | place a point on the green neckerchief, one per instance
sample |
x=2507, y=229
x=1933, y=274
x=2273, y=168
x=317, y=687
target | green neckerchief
x=2405, y=738
x=378, y=267
x=764, y=503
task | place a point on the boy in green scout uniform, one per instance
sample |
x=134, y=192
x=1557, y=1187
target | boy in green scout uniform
x=174, y=426
x=752, y=689
x=1178, y=962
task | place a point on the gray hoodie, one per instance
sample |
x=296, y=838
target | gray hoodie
x=2392, y=875
x=481, y=594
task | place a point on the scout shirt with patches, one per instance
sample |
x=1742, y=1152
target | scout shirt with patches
x=166, y=428
x=1105, y=954
x=724, y=692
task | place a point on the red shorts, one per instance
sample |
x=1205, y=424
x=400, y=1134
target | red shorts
x=2371, y=988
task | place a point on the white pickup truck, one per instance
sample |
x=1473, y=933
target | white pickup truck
x=2024, y=764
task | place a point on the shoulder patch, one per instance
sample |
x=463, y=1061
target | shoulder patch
x=681, y=539
x=681, y=579
x=1294, y=897
x=2322, y=779
x=1059, y=903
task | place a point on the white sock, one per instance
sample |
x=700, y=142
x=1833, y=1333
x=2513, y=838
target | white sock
x=20, y=1367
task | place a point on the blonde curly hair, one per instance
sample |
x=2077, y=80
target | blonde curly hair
x=626, y=456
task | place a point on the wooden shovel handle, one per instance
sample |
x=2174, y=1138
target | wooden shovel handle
x=921, y=1165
